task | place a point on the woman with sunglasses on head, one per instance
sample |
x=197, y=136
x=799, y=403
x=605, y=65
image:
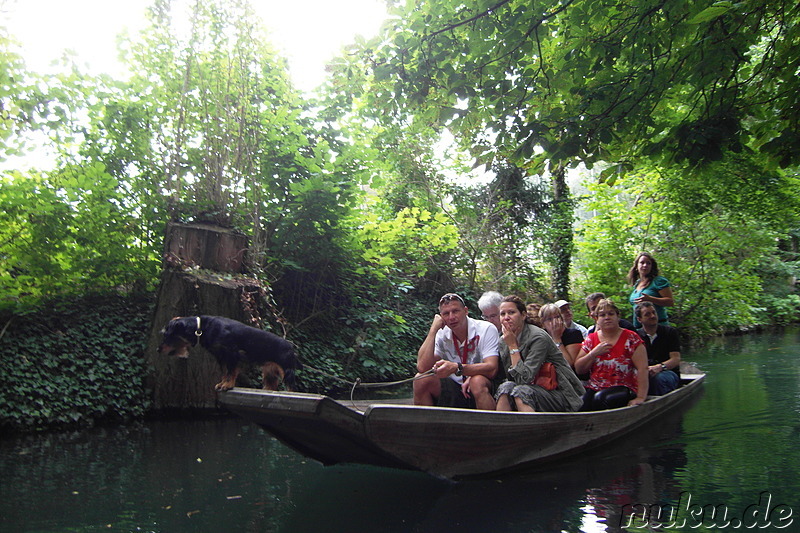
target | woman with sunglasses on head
x=525, y=348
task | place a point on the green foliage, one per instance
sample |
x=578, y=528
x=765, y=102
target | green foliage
x=549, y=85
x=375, y=338
x=75, y=363
x=28, y=103
x=501, y=227
x=779, y=303
x=407, y=243
x=777, y=311
x=555, y=82
x=702, y=234
x=66, y=233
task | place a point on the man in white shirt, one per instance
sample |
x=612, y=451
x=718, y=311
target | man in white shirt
x=489, y=304
x=566, y=314
x=464, y=355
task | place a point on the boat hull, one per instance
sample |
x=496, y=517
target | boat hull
x=450, y=443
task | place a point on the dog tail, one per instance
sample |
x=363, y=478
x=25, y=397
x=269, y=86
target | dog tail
x=289, y=379
x=294, y=357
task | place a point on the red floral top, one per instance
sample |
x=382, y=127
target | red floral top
x=616, y=367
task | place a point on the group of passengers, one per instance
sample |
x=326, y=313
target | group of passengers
x=537, y=358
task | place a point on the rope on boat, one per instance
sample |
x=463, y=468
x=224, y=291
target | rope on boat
x=358, y=383
x=392, y=383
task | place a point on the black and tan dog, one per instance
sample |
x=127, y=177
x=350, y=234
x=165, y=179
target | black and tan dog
x=233, y=343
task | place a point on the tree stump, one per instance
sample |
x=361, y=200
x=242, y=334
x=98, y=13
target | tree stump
x=204, y=246
x=191, y=284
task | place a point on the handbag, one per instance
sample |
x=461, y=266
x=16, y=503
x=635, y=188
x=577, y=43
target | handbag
x=546, y=378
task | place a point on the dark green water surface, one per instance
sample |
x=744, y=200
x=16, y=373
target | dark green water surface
x=733, y=452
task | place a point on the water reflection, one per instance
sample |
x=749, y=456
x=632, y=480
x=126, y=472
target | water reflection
x=222, y=474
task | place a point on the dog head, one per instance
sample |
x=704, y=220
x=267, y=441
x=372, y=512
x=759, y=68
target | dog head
x=179, y=337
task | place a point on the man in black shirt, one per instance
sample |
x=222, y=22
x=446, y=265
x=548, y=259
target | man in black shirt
x=663, y=350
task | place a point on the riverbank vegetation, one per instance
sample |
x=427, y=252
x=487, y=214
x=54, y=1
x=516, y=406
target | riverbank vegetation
x=530, y=150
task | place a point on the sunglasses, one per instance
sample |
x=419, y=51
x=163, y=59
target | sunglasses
x=450, y=296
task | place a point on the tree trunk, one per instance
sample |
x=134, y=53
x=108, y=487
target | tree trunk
x=190, y=286
x=562, y=242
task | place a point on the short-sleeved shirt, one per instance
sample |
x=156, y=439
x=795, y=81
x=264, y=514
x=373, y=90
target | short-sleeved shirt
x=654, y=290
x=667, y=339
x=616, y=367
x=482, y=342
x=571, y=336
x=581, y=329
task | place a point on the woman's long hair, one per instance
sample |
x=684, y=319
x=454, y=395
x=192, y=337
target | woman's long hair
x=633, y=273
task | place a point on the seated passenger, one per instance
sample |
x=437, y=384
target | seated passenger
x=463, y=352
x=533, y=313
x=489, y=304
x=568, y=340
x=591, y=303
x=616, y=361
x=566, y=313
x=663, y=344
x=524, y=349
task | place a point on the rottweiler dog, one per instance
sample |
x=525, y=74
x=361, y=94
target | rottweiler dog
x=233, y=343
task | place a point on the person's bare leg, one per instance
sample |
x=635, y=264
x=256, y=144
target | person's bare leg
x=427, y=390
x=523, y=407
x=481, y=389
x=503, y=404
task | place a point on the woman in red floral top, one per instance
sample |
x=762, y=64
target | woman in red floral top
x=616, y=360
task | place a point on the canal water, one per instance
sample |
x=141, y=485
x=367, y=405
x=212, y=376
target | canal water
x=729, y=462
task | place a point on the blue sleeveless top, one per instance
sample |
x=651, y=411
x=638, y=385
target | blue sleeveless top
x=654, y=289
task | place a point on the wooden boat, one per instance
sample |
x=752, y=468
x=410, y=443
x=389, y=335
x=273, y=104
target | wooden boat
x=445, y=442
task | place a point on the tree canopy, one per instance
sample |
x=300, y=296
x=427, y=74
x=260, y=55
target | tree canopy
x=595, y=81
x=624, y=86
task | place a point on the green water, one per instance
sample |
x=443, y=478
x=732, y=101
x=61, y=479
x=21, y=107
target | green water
x=733, y=451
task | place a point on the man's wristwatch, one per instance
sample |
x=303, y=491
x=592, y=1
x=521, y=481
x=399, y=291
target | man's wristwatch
x=460, y=369
x=663, y=367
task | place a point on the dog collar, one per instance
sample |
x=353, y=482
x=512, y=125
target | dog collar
x=198, y=332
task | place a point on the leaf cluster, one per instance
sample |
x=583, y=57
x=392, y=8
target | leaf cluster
x=75, y=363
x=66, y=232
x=593, y=81
x=706, y=239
